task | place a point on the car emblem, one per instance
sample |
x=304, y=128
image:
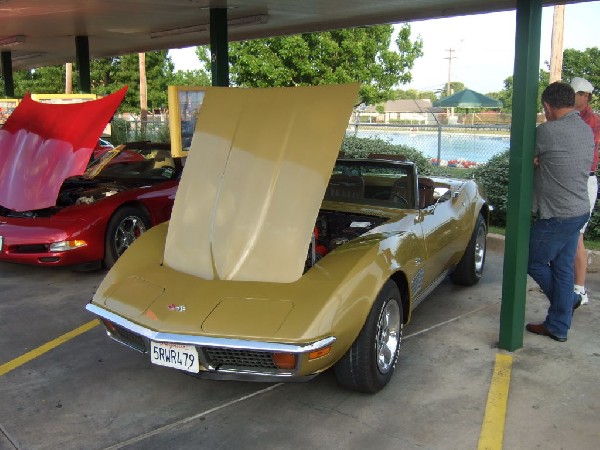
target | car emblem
x=174, y=307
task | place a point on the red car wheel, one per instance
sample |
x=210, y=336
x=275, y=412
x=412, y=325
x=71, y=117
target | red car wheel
x=125, y=226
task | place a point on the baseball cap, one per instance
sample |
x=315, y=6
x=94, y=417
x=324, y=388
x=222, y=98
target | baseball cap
x=581, y=85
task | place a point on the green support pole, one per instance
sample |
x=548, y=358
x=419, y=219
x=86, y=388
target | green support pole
x=219, y=47
x=520, y=172
x=7, y=75
x=82, y=55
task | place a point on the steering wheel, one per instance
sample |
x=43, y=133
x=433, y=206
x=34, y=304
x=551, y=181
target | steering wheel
x=397, y=198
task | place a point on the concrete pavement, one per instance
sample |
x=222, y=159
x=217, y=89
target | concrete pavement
x=87, y=392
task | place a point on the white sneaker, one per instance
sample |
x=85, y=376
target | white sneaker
x=584, y=297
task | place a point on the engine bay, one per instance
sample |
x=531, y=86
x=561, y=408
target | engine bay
x=85, y=192
x=334, y=229
x=74, y=191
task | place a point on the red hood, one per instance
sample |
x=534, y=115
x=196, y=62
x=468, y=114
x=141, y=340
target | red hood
x=42, y=144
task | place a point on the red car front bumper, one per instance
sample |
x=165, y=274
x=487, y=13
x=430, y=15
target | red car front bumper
x=28, y=241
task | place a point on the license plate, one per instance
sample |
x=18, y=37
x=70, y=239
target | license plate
x=1, y=242
x=177, y=356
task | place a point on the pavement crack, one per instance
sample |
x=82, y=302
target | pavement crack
x=8, y=438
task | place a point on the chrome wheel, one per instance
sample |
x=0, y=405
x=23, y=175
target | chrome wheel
x=470, y=267
x=480, y=240
x=125, y=226
x=129, y=229
x=389, y=327
x=369, y=363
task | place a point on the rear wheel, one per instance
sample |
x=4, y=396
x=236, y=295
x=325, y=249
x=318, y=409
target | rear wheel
x=470, y=268
x=125, y=226
x=369, y=364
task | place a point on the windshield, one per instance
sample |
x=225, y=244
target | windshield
x=373, y=182
x=126, y=162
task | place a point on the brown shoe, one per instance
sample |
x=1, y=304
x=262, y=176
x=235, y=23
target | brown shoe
x=539, y=328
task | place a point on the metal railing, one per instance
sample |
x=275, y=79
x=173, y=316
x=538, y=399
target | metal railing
x=136, y=130
x=442, y=144
x=461, y=145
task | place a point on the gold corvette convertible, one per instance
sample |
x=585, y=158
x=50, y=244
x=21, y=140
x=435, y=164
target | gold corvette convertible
x=281, y=259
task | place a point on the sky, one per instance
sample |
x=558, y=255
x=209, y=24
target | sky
x=483, y=47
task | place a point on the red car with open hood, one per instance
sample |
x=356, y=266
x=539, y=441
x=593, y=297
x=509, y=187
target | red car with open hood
x=60, y=206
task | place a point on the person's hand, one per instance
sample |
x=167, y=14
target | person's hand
x=536, y=161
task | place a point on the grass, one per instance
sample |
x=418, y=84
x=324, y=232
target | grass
x=496, y=230
x=589, y=245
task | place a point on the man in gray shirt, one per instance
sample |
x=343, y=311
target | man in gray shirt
x=564, y=153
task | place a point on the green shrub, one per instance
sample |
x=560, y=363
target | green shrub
x=493, y=176
x=118, y=131
x=355, y=147
x=128, y=131
x=162, y=133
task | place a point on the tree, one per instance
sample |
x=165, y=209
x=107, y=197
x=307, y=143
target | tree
x=455, y=86
x=340, y=56
x=413, y=94
x=409, y=94
x=190, y=78
x=576, y=63
x=46, y=80
x=103, y=73
x=108, y=75
x=505, y=95
x=428, y=95
x=159, y=70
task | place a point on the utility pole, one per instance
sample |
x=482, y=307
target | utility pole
x=556, y=52
x=143, y=93
x=449, y=58
x=448, y=87
x=68, y=78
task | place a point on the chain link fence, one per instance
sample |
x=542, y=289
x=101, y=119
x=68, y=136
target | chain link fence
x=123, y=131
x=446, y=140
x=462, y=140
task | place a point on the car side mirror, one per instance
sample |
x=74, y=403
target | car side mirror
x=441, y=194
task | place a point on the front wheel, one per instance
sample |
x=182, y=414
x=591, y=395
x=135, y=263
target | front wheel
x=369, y=363
x=125, y=226
x=470, y=268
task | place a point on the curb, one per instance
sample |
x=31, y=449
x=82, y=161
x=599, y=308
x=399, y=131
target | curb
x=495, y=243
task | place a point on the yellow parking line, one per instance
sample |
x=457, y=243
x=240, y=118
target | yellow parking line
x=7, y=367
x=492, y=429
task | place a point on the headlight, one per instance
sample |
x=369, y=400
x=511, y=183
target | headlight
x=63, y=246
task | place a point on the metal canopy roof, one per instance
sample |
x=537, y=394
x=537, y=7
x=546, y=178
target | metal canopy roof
x=42, y=32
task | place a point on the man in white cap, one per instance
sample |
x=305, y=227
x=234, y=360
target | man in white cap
x=583, y=95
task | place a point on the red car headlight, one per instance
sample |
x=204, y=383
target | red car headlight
x=64, y=246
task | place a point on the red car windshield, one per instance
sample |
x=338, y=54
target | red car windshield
x=129, y=163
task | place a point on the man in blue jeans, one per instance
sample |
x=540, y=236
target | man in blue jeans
x=563, y=155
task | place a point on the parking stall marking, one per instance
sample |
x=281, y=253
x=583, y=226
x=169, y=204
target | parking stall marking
x=492, y=428
x=491, y=436
x=25, y=358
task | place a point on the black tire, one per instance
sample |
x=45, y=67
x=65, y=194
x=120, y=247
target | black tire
x=470, y=268
x=125, y=226
x=369, y=364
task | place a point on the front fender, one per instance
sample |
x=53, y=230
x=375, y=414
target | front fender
x=360, y=269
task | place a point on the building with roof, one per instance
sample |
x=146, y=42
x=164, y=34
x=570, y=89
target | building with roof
x=401, y=111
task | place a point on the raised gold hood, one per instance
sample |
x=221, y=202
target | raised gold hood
x=254, y=179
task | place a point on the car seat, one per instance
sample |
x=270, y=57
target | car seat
x=426, y=189
x=345, y=187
